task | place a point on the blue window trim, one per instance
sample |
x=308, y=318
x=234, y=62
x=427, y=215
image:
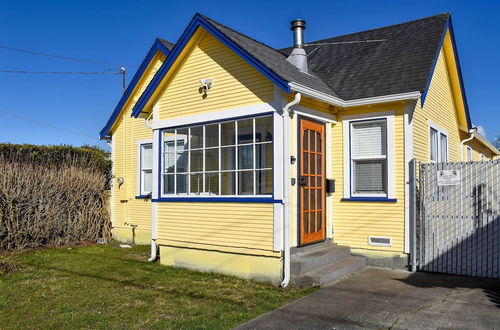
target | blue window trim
x=143, y=196
x=449, y=26
x=157, y=46
x=220, y=199
x=199, y=21
x=369, y=199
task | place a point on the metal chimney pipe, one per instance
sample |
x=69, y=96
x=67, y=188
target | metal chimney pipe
x=298, y=55
x=298, y=27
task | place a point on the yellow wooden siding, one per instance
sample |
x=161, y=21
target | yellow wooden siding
x=235, y=82
x=440, y=109
x=125, y=134
x=353, y=222
x=243, y=227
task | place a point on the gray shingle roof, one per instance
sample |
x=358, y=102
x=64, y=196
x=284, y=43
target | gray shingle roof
x=273, y=59
x=167, y=43
x=401, y=63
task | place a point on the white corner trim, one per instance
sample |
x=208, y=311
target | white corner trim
x=112, y=195
x=315, y=114
x=346, y=122
x=408, y=127
x=214, y=116
x=156, y=148
x=295, y=87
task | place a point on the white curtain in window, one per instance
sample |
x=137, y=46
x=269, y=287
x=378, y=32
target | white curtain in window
x=368, y=139
x=434, y=145
x=443, y=148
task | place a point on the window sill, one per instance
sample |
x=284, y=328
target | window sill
x=143, y=196
x=219, y=199
x=369, y=199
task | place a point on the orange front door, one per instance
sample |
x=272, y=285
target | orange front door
x=311, y=182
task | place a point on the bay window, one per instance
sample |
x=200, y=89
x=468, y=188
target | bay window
x=228, y=158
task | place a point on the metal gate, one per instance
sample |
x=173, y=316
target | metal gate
x=459, y=218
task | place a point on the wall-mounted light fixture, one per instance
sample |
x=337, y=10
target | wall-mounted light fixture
x=206, y=84
x=292, y=160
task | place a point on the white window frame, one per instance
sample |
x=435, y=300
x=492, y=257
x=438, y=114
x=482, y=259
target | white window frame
x=219, y=171
x=469, y=154
x=140, y=170
x=388, y=116
x=440, y=131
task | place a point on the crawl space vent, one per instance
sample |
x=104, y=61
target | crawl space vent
x=379, y=241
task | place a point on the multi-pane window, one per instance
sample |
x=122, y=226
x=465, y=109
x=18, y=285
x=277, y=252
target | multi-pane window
x=438, y=146
x=229, y=158
x=146, y=168
x=369, y=157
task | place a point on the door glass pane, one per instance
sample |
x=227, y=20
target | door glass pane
x=306, y=223
x=312, y=139
x=264, y=155
x=245, y=131
x=196, y=183
x=245, y=157
x=318, y=164
x=168, y=184
x=263, y=129
x=227, y=133
x=196, y=137
x=212, y=135
x=318, y=142
x=305, y=162
x=319, y=220
x=305, y=140
x=264, y=182
x=228, y=183
x=319, y=199
x=312, y=222
x=212, y=159
x=306, y=199
x=313, y=199
x=228, y=158
x=245, y=183
x=212, y=183
x=181, y=184
x=312, y=167
x=196, y=160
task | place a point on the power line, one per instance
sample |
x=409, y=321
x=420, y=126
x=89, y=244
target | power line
x=56, y=56
x=47, y=125
x=59, y=72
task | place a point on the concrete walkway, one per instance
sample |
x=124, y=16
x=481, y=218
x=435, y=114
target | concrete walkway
x=386, y=299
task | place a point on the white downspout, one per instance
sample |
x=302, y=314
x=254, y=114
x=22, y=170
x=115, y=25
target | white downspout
x=153, y=205
x=286, y=189
x=471, y=131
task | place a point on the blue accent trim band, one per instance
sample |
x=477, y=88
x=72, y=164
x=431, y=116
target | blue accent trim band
x=143, y=197
x=369, y=199
x=220, y=199
x=157, y=46
x=196, y=22
x=449, y=26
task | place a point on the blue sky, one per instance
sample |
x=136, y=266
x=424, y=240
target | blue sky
x=121, y=32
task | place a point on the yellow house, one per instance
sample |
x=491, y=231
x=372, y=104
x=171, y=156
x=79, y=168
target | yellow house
x=231, y=156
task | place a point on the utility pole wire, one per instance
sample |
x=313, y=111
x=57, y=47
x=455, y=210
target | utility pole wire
x=57, y=56
x=60, y=72
x=47, y=125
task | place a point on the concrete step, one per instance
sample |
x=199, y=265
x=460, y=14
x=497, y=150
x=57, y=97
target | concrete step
x=305, y=261
x=330, y=273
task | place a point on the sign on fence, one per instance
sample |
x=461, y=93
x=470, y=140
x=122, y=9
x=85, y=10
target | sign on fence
x=448, y=177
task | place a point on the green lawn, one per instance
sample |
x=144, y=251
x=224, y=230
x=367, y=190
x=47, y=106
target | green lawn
x=103, y=286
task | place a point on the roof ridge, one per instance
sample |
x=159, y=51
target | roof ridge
x=378, y=28
x=246, y=36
